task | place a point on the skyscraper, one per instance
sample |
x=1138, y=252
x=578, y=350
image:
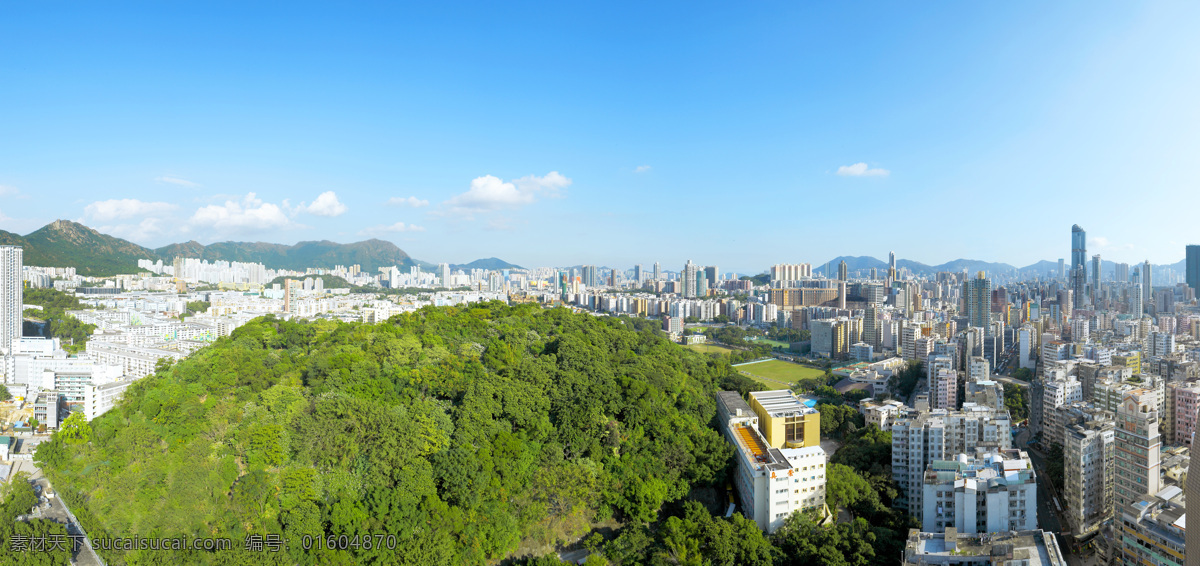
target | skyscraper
x=637, y=274
x=11, y=295
x=977, y=296
x=1096, y=279
x=657, y=272
x=891, y=265
x=589, y=276
x=1135, y=295
x=1078, y=264
x=444, y=274
x=1192, y=269
x=842, y=271
x=1147, y=283
x=710, y=273
x=1062, y=270
x=689, y=279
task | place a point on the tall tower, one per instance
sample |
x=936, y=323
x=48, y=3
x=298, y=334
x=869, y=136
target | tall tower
x=444, y=274
x=1135, y=295
x=1096, y=279
x=12, y=291
x=1147, y=283
x=1078, y=263
x=842, y=271
x=977, y=294
x=689, y=280
x=657, y=272
x=1192, y=276
x=1062, y=270
x=892, y=265
x=638, y=276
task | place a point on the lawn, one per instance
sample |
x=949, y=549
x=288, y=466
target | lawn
x=773, y=343
x=775, y=373
x=710, y=348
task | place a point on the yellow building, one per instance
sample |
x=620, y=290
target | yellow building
x=1132, y=360
x=785, y=420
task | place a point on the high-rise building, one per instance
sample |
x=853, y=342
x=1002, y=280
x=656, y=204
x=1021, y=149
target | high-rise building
x=1121, y=272
x=980, y=493
x=444, y=274
x=657, y=272
x=1089, y=464
x=690, y=275
x=638, y=276
x=1192, y=274
x=12, y=290
x=843, y=271
x=977, y=298
x=872, y=330
x=891, y=265
x=1078, y=264
x=1096, y=263
x=1138, y=444
x=1062, y=270
x=1152, y=530
x=921, y=437
x=1147, y=283
x=1135, y=294
x=710, y=273
x=771, y=483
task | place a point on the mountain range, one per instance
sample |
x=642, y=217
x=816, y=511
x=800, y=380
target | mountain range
x=64, y=243
x=1041, y=268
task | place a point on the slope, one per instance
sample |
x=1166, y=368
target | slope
x=453, y=436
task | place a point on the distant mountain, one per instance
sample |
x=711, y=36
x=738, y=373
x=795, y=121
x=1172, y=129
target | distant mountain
x=370, y=254
x=488, y=263
x=63, y=243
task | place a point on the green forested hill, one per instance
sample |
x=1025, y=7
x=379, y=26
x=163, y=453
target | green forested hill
x=468, y=435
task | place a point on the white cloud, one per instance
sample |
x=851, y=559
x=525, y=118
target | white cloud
x=120, y=209
x=1100, y=241
x=7, y=191
x=490, y=193
x=641, y=169
x=327, y=204
x=861, y=170
x=410, y=201
x=178, y=181
x=392, y=228
x=251, y=214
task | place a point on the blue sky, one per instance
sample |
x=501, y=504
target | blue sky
x=611, y=133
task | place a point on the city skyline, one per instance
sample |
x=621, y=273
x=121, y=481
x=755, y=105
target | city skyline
x=456, y=142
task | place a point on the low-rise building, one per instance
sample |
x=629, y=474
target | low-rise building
x=952, y=548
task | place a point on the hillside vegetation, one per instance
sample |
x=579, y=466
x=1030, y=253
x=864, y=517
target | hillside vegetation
x=462, y=436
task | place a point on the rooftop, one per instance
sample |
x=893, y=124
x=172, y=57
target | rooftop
x=781, y=403
x=1039, y=548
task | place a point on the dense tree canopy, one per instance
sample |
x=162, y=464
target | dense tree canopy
x=465, y=434
x=58, y=324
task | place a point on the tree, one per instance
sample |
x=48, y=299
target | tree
x=75, y=429
x=1023, y=374
x=801, y=541
x=4, y=394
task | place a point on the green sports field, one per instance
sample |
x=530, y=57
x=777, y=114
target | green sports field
x=776, y=373
x=710, y=348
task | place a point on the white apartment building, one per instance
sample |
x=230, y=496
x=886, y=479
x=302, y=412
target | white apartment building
x=12, y=288
x=919, y=438
x=772, y=483
x=985, y=493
